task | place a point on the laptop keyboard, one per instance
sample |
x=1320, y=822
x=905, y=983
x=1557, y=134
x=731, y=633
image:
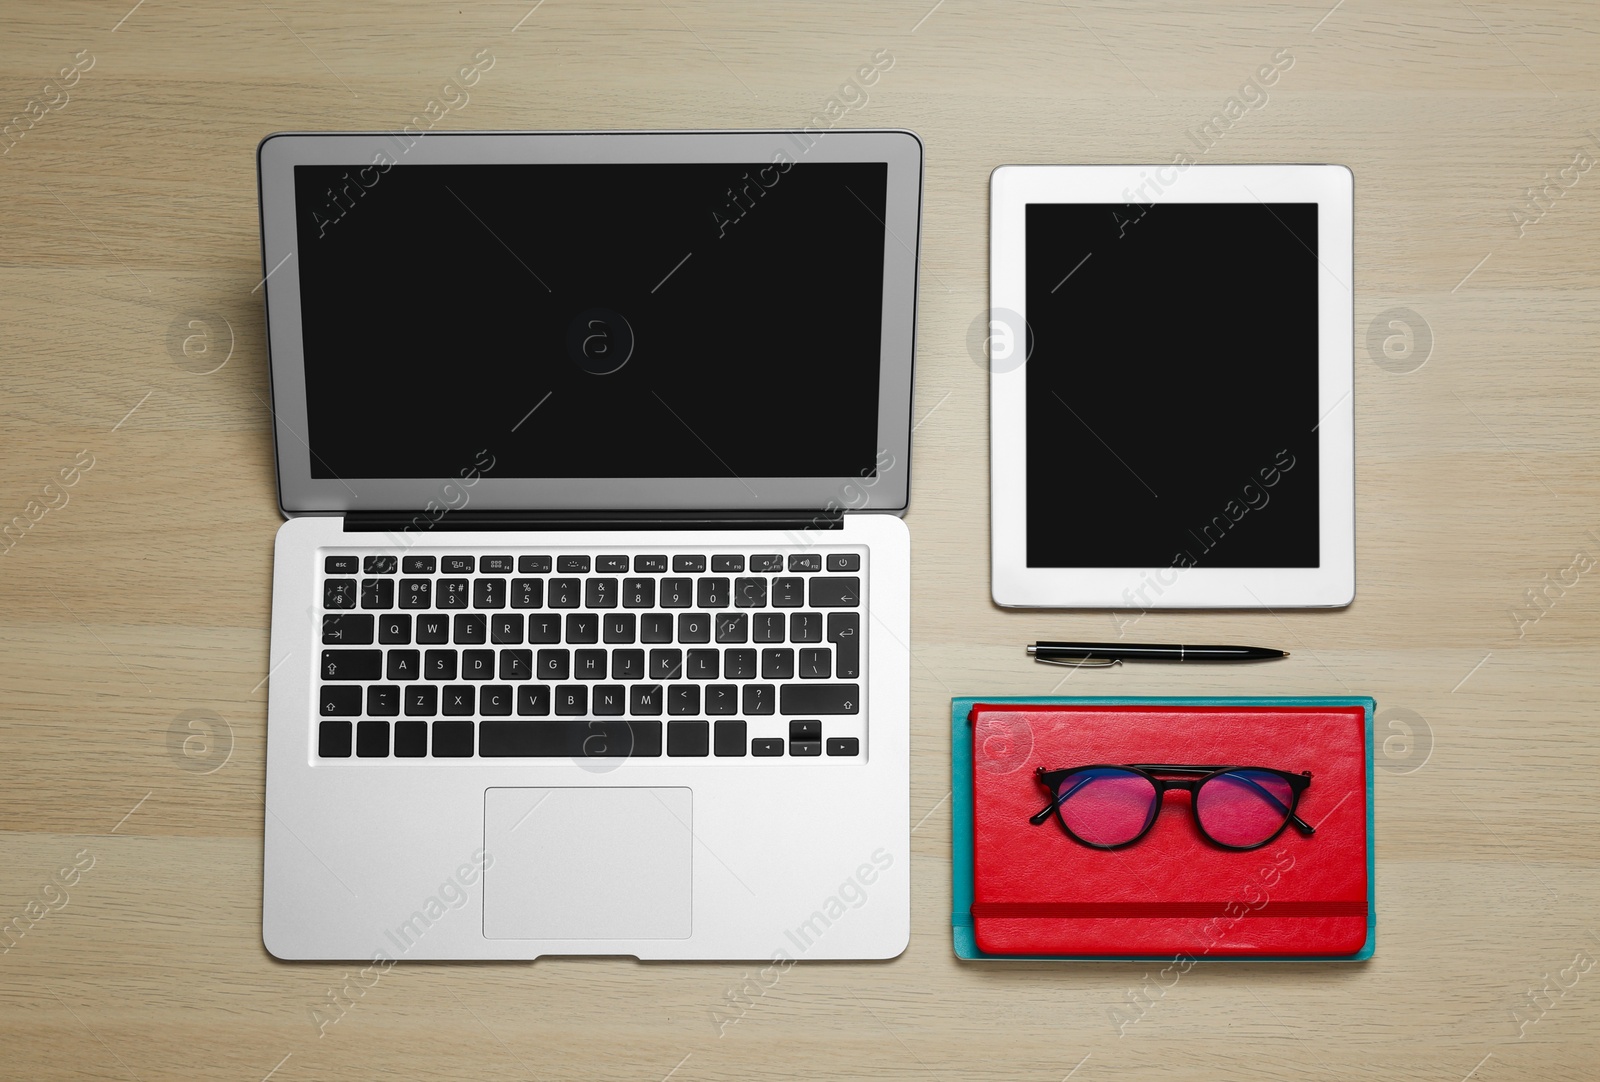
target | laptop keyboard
x=591, y=655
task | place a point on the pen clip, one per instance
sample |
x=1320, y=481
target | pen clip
x=1080, y=663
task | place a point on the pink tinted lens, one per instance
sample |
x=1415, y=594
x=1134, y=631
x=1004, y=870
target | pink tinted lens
x=1243, y=807
x=1106, y=806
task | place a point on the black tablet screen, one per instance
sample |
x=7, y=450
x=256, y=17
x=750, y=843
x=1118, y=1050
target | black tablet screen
x=1172, y=385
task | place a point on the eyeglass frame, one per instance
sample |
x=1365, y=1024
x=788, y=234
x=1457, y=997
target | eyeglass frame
x=1052, y=779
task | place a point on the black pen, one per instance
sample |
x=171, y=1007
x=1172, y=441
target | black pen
x=1103, y=654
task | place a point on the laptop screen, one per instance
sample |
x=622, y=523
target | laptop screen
x=592, y=320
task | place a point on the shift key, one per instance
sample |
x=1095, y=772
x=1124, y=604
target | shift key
x=352, y=664
x=819, y=699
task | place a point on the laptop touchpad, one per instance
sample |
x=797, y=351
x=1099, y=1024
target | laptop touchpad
x=587, y=863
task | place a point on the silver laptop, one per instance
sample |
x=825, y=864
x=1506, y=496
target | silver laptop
x=591, y=614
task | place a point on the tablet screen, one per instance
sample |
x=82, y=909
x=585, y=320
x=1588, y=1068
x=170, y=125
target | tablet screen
x=1172, y=385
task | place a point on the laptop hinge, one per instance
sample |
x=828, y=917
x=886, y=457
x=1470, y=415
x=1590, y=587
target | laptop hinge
x=421, y=522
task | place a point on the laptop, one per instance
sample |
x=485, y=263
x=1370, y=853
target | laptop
x=591, y=611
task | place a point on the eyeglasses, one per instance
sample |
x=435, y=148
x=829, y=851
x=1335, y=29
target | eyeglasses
x=1235, y=807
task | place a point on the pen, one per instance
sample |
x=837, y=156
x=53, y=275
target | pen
x=1104, y=654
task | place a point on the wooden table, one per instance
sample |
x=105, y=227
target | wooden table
x=133, y=645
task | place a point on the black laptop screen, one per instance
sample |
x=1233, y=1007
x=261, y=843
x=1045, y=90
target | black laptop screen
x=656, y=320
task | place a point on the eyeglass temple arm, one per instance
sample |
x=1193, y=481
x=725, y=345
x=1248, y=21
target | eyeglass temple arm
x=1038, y=818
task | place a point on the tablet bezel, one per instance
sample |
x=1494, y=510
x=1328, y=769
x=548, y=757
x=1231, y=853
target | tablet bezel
x=1014, y=583
x=301, y=493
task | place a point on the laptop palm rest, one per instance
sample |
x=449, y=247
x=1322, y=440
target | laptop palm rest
x=588, y=863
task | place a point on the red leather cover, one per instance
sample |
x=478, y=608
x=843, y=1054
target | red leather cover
x=1037, y=891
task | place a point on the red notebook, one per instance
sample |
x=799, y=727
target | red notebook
x=1036, y=891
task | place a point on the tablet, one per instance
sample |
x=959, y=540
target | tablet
x=1171, y=421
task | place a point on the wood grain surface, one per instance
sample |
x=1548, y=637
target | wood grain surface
x=134, y=600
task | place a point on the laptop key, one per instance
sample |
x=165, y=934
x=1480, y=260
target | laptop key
x=383, y=700
x=405, y=665
x=777, y=664
x=527, y=593
x=677, y=593
x=533, y=565
x=395, y=629
x=341, y=565
x=352, y=665
x=416, y=593
x=788, y=593
x=572, y=699
x=655, y=627
x=843, y=561
x=457, y=565
x=471, y=628
x=565, y=593
x=496, y=565
x=505, y=629
x=453, y=739
x=489, y=593
x=627, y=664
x=712, y=593
x=380, y=565
x=727, y=564
x=610, y=700
x=516, y=664
x=583, y=627
x=372, y=739
x=572, y=565
x=805, y=561
x=844, y=631
x=638, y=593
x=352, y=629
x=733, y=627
x=421, y=700
x=333, y=739
x=805, y=730
x=654, y=565
x=758, y=699
x=439, y=665
x=691, y=565
x=703, y=664
x=494, y=700
x=816, y=664
x=728, y=738
x=805, y=627
x=688, y=738
x=722, y=699
x=805, y=748
x=433, y=629
x=377, y=593
x=766, y=745
x=457, y=700
x=666, y=664
x=767, y=563
x=750, y=593
x=340, y=701
x=739, y=664
x=683, y=699
x=768, y=627
x=544, y=629
x=339, y=593
x=821, y=698
x=600, y=593
x=554, y=665
x=644, y=699
x=592, y=739
x=452, y=594
x=611, y=565
x=618, y=627
x=418, y=565
x=477, y=664
x=589, y=665
x=694, y=627
x=410, y=739
x=533, y=700
x=835, y=592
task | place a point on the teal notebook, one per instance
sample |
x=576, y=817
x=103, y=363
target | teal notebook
x=966, y=935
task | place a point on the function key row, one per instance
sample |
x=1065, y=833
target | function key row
x=596, y=592
x=581, y=565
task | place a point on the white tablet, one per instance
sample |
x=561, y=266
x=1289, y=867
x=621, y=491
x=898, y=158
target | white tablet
x=1170, y=418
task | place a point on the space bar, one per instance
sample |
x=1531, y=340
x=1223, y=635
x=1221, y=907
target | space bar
x=593, y=739
x=819, y=699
